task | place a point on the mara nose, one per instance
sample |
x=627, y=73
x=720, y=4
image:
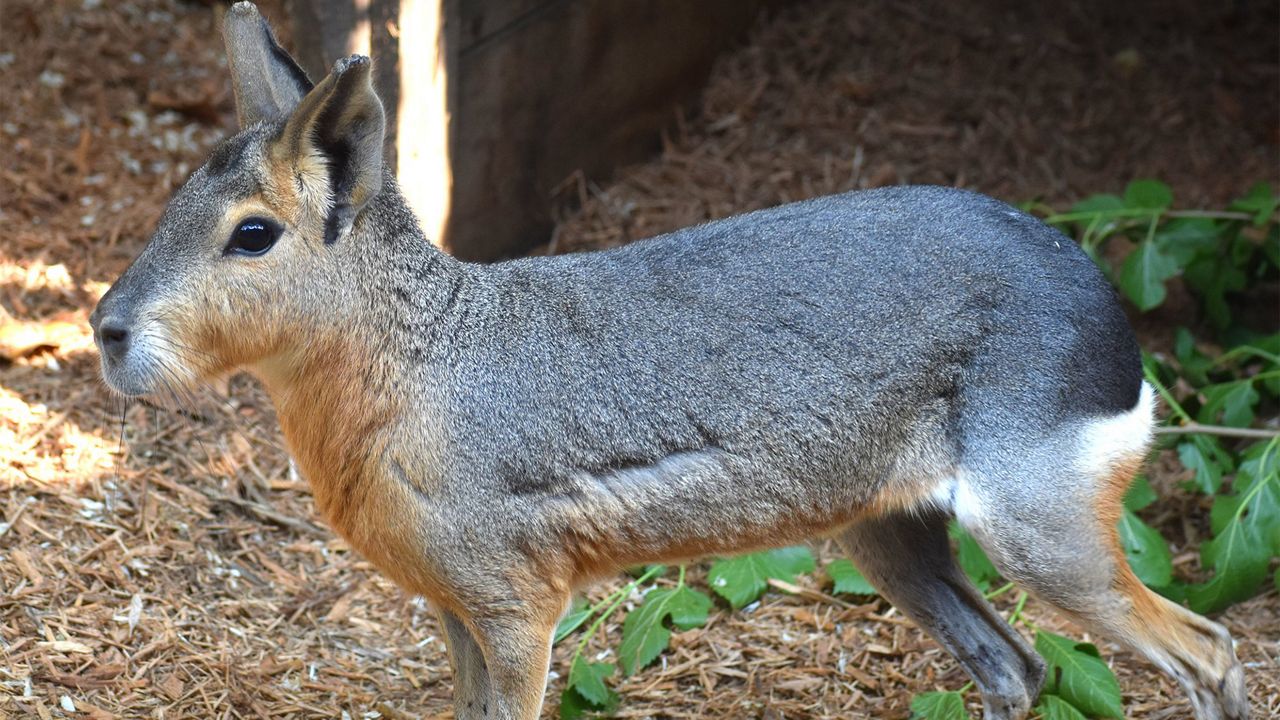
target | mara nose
x=113, y=338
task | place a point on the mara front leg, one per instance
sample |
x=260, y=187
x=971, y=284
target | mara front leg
x=470, y=675
x=500, y=647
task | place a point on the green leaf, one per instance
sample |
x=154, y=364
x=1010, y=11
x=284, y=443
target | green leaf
x=588, y=679
x=938, y=706
x=1202, y=454
x=1078, y=675
x=1259, y=480
x=1223, y=512
x=1255, y=507
x=1269, y=344
x=1271, y=245
x=1101, y=203
x=1175, y=591
x=743, y=579
x=1186, y=238
x=1100, y=224
x=1147, y=551
x=644, y=632
x=1234, y=401
x=1148, y=194
x=1144, y=273
x=1260, y=201
x=1195, y=364
x=689, y=608
x=847, y=579
x=1237, y=405
x=1140, y=494
x=573, y=706
x=1246, y=529
x=1052, y=707
x=1239, y=558
x=572, y=621
x=1212, y=276
x=973, y=560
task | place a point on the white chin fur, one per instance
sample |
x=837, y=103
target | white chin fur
x=147, y=368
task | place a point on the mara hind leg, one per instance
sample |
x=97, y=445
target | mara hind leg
x=1047, y=516
x=908, y=558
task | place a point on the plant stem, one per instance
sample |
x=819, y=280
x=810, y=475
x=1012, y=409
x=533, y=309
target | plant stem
x=1245, y=350
x=1212, y=214
x=1151, y=229
x=1103, y=214
x=999, y=591
x=617, y=598
x=1129, y=213
x=1191, y=428
x=1164, y=393
x=1017, y=609
x=1257, y=487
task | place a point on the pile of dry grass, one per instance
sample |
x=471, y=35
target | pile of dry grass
x=165, y=565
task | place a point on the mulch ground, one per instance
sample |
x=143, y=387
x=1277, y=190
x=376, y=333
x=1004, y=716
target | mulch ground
x=160, y=564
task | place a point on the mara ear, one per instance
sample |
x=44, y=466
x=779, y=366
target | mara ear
x=266, y=80
x=337, y=127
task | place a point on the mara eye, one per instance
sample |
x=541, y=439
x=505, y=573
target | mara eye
x=253, y=236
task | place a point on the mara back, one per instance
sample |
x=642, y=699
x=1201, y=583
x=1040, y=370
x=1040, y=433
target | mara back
x=805, y=359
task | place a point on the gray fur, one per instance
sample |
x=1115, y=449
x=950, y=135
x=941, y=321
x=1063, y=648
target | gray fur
x=826, y=349
x=267, y=81
x=909, y=557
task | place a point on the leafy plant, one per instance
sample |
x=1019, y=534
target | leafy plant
x=938, y=706
x=1146, y=550
x=743, y=579
x=1078, y=676
x=972, y=560
x=585, y=691
x=1052, y=707
x=847, y=579
x=644, y=634
x=1216, y=253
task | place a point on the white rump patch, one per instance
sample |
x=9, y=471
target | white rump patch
x=1105, y=442
x=953, y=495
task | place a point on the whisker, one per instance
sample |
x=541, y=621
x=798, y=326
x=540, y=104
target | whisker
x=174, y=387
x=174, y=344
x=113, y=496
x=178, y=349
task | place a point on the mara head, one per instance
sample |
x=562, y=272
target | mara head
x=254, y=240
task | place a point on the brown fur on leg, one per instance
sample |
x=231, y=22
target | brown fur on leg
x=1197, y=651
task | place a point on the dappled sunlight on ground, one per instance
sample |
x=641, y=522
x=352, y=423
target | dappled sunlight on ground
x=42, y=446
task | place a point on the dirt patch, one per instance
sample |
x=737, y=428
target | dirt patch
x=166, y=565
